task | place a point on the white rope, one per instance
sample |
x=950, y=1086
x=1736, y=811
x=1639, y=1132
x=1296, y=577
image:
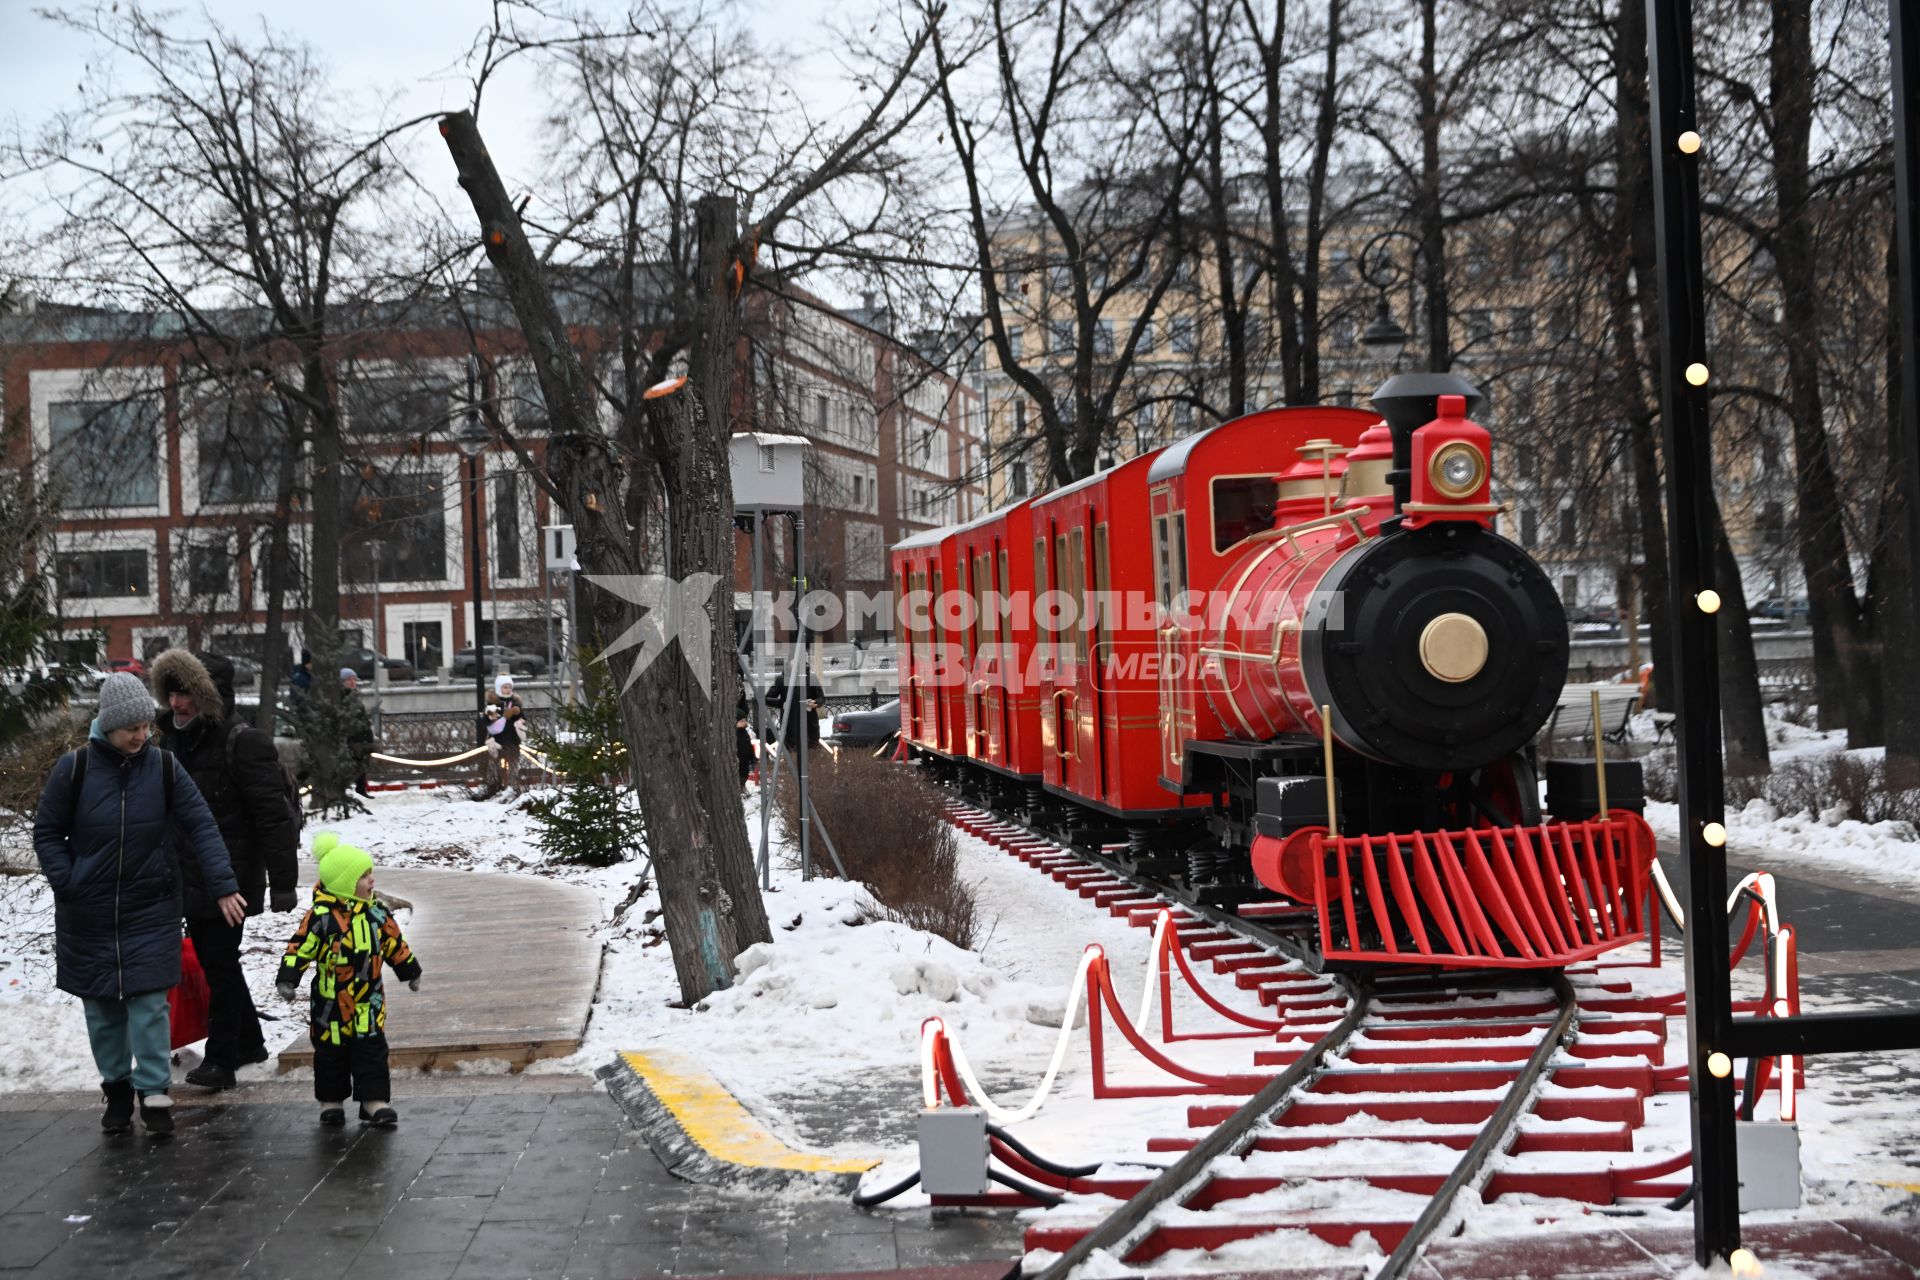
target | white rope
x=1153, y=968
x=431, y=764
x=998, y=1114
x=1666, y=896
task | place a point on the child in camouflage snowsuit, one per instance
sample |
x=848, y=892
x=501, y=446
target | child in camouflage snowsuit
x=348, y=937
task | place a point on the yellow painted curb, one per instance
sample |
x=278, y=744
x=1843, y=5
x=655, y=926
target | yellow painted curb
x=711, y=1117
x=1913, y=1187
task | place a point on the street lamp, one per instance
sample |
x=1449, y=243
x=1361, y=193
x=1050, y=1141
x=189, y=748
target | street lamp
x=472, y=440
x=1384, y=339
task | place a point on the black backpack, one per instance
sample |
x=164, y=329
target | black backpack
x=289, y=787
x=79, y=756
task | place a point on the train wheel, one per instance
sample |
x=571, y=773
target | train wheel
x=1511, y=790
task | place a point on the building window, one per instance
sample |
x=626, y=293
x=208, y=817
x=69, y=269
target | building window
x=1560, y=323
x=1479, y=325
x=1526, y=463
x=1019, y=482
x=1529, y=529
x=1520, y=327
x=1557, y=265
x=211, y=571
x=1342, y=333
x=1010, y=282
x=1343, y=396
x=1180, y=334
x=766, y=459
x=1064, y=336
x=395, y=405
x=396, y=522
x=240, y=440
x=1020, y=416
x=529, y=404
x=1563, y=458
x=1145, y=345
x=1016, y=340
x=1340, y=266
x=102, y=575
x=105, y=453
x=506, y=524
x=1182, y=418
x=820, y=413
x=426, y=646
x=1570, y=589
x=1773, y=524
x=859, y=492
x=1103, y=337
x=1569, y=527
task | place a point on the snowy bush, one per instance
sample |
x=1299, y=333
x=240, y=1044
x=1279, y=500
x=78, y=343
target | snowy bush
x=889, y=827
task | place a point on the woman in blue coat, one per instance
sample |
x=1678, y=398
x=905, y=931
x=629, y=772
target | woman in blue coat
x=116, y=894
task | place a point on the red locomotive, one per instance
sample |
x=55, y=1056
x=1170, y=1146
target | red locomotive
x=1190, y=660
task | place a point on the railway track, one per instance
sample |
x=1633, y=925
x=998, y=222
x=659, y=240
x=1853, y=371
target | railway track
x=1378, y=1110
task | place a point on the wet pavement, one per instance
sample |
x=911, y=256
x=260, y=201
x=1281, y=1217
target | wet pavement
x=510, y=1179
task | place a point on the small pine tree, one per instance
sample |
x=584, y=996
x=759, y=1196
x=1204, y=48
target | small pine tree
x=592, y=817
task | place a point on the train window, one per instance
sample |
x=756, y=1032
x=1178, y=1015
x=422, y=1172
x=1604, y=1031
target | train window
x=1062, y=582
x=1102, y=587
x=1042, y=585
x=1178, y=580
x=1162, y=575
x=1242, y=507
x=933, y=631
x=1077, y=567
x=1006, y=606
x=982, y=592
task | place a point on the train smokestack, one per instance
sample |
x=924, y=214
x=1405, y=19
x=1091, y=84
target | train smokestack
x=1409, y=401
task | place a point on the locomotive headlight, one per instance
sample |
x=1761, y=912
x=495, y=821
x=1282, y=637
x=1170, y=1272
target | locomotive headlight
x=1457, y=469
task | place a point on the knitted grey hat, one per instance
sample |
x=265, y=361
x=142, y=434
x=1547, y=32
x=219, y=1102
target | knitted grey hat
x=124, y=701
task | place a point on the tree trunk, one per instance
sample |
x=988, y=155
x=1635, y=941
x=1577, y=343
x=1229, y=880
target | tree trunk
x=1428, y=212
x=1892, y=587
x=1742, y=724
x=682, y=750
x=1845, y=673
x=1633, y=223
x=279, y=561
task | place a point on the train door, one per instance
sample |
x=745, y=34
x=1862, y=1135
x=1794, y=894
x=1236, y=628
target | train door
x=910, y=658
x=1057, y=749
x=982, y=741
x=943, y=672
x=1104, y=667
x=1080, y=728
x=1169, y=578
x=1006, y=677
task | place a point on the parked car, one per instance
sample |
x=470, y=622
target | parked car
x=132, y=666
x=498, y=658
x=362, y=660
x=1787, y=610
x=867, y=728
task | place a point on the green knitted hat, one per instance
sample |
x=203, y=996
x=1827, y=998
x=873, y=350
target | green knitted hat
x=341, y=866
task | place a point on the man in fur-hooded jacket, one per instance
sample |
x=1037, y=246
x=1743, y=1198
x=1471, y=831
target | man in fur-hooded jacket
x=237, y=769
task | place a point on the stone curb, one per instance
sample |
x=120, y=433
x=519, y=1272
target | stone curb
x=687, y=1142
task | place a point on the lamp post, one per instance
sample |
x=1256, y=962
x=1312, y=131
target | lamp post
x=1384, y=337
x=472, y=440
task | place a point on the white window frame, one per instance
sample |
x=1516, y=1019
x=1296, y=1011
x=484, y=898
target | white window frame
x=85, y=540
x=178, y=585
x=44, y=386
x=427, y=368
x=192, y=501
x=526, y=518
x=394, y=632
x=454, y=479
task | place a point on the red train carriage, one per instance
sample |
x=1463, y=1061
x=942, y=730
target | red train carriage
x=1001, y=699
x=931, y=713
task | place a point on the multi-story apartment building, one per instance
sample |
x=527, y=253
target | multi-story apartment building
x=167, y=480
x=896, y=437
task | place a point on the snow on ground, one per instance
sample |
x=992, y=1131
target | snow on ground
x=821, y=1035
x=1885, y=852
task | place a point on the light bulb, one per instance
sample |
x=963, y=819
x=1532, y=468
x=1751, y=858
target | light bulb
x=1689, y=142
x=1697, y=374
x=1744, y=1263
x=1714, y=834
x=1708, y=600
x=1719, y=1065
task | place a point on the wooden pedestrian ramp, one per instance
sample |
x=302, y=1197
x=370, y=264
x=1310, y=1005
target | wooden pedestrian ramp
x=509, y=969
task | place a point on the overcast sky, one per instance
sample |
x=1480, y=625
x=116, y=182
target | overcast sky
x=406, y=56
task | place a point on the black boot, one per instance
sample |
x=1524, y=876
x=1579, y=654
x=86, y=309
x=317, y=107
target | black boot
x=156, y=1112
x=381, y=1117
x=211, y=1075
x=118, y=1117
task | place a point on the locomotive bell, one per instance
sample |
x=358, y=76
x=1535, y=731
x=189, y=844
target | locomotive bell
x=1409, y=401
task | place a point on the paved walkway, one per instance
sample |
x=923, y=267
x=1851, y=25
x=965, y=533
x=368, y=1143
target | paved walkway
x=488, y=943
x=505, y=1177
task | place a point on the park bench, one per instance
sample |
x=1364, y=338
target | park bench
x=1573, y=714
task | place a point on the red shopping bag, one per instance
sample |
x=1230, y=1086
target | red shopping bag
x=187, y=1003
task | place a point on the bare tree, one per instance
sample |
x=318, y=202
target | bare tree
x=678, y=270
x=222, y=190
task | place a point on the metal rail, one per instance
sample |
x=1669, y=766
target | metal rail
x=1230, y=1138
x=1493, y=1135
x=1235, y=1134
